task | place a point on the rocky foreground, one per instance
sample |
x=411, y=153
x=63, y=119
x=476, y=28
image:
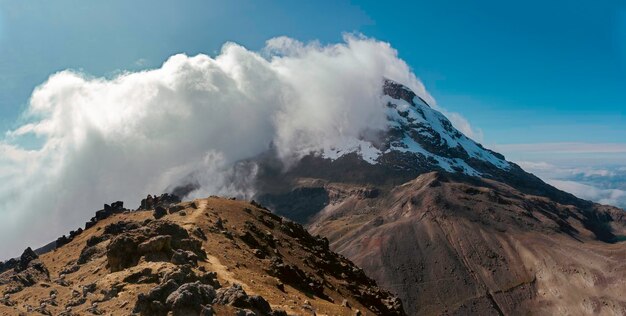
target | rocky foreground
x=206, y=257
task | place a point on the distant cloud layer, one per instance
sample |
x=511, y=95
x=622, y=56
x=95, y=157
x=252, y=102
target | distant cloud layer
x=604, y=184
x=593, y=171
x=566, y=148
x=603, y=196
x=138, y=133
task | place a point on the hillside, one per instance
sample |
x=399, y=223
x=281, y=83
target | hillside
x=479, y=247
x=209, y=256
x=450, y=226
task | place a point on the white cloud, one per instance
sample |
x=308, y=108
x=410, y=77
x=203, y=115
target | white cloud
x=565, y=148
x=463, y=125
x=141, y=62
x=604, y=184
x=137, y=133
x=588, y=192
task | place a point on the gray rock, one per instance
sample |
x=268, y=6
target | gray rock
x=190, y=298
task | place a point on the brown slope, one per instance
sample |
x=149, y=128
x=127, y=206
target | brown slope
x=108, y=267
x=451, y=247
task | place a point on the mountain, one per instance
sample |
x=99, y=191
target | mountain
x=451, y=227
x=211, y=256
x=448, y=225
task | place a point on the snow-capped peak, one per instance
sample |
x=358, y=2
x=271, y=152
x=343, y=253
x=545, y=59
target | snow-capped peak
x=420, y=137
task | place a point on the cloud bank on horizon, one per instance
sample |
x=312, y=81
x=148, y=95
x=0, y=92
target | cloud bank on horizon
x=605, y=184
x=595, y=172
x=121, y=138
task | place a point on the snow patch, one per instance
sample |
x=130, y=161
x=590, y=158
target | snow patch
x=365, y=149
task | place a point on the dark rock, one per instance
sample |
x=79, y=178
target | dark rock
x=233, y=296
x=189, y=298
x=28, y=271
x=94, y=240
x=6, y=300
x=12, y=289
x=295, y=277
x=120, y=227
x=95, y=310
x=114, y=208
x=89, y=288
x=76, y=301
x=175, y=209
x=159, y=212
x=207, y=311
x=112, y=292
x=184, y=274
x=27, y=256
x=89, y=253
x=8, y=265
x=153, y=302
x=122, y=252
x=143, y=276
x=199, y=233
x=90, y=223
x=61, y=241
x=250, y=240
x=184, y=257
x=259, y=253
x=245, y=312
x=237, y=297
x=70, y=268
x=165, y=200
x=219, y=224
x=158, y=240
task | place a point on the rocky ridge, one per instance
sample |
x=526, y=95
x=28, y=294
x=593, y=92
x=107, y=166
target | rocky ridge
x=205, y=257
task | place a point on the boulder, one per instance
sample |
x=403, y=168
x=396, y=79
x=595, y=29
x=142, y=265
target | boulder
x=27, y=256
x=185, y=274
x=161, y=243
x=190, y=298
x=184, y=257
x=153, y=303
x=122, y=252
x=159, y=212
x=237, y=297
x=88, y=253
x=165, y=200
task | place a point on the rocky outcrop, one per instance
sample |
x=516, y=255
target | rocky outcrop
x=237, y=297
x=27, y=256
x=157, y=241
x=164, y=200
x=190, y=298
x=107, y=211
x=27, y=271
x=182, y=292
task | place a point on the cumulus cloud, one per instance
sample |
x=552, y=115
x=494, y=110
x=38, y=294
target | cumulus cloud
x=121, y=138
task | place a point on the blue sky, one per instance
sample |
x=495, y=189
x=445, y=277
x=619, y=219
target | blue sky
x=522, y=72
